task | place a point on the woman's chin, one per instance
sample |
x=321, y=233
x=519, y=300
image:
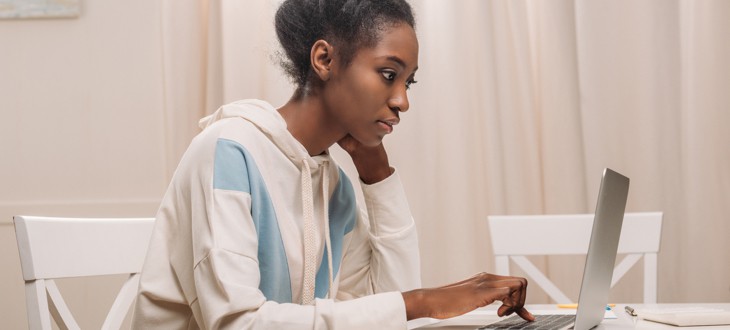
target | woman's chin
x=372, y=142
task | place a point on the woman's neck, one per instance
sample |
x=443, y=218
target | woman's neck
x=307, y=121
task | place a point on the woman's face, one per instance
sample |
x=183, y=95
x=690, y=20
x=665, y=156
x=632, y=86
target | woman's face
x=366, y=96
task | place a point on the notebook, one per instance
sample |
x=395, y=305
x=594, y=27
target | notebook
x=687, y=316
x=600, y=259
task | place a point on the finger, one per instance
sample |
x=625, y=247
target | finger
x=518, y=293
x=516, y=300
x=496, y=294
x=523, y=297
x=510, y=303
x=505, y=310
x=525, y=315
x=346, y=143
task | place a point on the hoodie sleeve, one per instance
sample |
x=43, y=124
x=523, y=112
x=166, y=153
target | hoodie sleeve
x=382, y=255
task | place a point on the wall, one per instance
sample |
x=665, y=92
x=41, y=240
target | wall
x=81, y=133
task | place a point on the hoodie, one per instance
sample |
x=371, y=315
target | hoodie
x=254, y=233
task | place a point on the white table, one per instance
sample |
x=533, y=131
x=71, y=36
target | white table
x=488, y=314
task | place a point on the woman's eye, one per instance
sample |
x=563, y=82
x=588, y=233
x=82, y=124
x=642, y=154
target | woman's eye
x=409, y=83
x=388, y=75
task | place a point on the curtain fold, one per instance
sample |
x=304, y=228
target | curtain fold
x=702, y=227
x=190, y=34
x=519, y=106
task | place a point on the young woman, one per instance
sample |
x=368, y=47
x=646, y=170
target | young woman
x=260, y=228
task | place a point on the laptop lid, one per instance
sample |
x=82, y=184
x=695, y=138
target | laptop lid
x=602, y=249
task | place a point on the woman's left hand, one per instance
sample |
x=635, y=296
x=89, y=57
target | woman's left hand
x=371, y=162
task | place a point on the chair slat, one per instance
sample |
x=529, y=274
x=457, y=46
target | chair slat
x=59, y=310
x=122, y=303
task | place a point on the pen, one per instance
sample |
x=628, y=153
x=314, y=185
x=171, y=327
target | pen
x=574, y=306
x=630, y=310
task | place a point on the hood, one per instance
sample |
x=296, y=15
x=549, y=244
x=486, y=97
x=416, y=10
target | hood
x=268, y=120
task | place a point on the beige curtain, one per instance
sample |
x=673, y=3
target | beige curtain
x=215, y=52
x=519, y=106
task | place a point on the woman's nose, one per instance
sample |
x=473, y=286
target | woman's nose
x=399, y=101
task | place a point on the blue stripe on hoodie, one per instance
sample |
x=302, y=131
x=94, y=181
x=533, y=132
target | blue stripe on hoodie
x=235, y=169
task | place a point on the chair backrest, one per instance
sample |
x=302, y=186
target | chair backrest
x=52, y=248
x=516, y=236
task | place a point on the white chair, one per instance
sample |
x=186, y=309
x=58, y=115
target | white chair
x=516, y=236
x=52, y=248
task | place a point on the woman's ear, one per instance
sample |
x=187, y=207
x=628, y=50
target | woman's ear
x=322, y=55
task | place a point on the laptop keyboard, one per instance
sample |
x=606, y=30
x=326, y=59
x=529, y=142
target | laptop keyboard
x=542, y=322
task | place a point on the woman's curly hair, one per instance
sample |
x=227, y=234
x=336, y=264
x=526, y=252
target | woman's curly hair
x=346, y=24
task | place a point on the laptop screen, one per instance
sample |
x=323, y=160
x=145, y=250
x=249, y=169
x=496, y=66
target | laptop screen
x=602, y=250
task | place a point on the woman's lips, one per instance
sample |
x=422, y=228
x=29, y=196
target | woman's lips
x=388, y=124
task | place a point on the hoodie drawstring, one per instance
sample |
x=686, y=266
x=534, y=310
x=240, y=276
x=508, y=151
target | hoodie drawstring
x=310, y=254
x=309, y=229
x=325, y=212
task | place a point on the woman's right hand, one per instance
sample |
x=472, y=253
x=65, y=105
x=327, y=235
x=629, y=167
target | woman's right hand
x=462, y=297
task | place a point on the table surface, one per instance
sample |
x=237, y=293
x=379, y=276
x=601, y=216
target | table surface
x=486, y=315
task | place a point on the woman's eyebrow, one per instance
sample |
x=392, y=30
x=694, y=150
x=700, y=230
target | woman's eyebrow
x=399, y=61
x=396, y=59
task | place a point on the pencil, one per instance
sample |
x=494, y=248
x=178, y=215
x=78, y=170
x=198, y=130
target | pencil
x=574, y=306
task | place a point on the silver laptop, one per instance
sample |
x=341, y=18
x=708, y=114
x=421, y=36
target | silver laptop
x=601, y=257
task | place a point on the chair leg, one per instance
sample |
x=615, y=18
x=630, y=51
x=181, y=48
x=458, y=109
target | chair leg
x=36, y=304
x=650, y=278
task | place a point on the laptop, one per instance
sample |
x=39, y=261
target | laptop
x=598, y=270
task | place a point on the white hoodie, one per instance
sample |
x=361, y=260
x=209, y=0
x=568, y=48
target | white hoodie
x=255, y=233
